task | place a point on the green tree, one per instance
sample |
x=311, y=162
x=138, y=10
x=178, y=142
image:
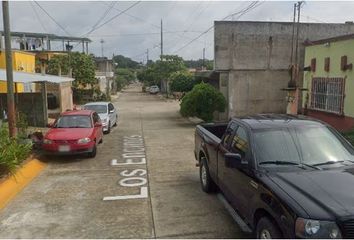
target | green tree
x=82, y=65
x=202, y=102
x=124, y=77
x=181, y=81
x=125, y=62
x=161, y=70
x=83, y=69
x=198, y=64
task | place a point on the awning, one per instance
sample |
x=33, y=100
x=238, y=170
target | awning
x=25, y=77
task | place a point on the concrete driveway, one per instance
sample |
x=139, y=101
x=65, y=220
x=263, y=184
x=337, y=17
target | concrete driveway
x=143, y=183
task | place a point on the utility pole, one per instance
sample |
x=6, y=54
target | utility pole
x=9, y=74
x=161, y=40
x=293, y=88
x=203, y=67
x=147, y=56
x=102, y=42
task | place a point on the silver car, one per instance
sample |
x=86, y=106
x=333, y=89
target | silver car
x=107, y=113
x=154, y=89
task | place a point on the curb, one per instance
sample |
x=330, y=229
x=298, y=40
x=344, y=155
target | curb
x=14, y=184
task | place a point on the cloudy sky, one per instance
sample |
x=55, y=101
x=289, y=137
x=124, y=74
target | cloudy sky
x=133, y=32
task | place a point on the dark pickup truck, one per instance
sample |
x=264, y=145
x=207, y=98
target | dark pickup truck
x=286, y=176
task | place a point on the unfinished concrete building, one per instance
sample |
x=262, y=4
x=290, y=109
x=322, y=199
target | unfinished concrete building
x=252, y=60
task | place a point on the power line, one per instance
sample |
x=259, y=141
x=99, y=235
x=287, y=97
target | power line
x=112, y=18
x=109, y=20
x=132, y=16
x=242, y=12
x=104, y=14
x=52, y=18
x=37, y=16
x=138, y=34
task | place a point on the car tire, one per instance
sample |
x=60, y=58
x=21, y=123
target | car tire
x=206, y=181
x=115, y=124
x=266, y=228
x=93, y=153
x=109, y=127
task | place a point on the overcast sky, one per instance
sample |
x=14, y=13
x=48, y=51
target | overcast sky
x=130, y=34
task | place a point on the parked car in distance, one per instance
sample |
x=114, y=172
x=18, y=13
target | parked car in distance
x=74, y=132
x=107, y=113
x=287, y=176
x=154, y=89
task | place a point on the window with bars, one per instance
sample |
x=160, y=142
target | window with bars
x=327, y=94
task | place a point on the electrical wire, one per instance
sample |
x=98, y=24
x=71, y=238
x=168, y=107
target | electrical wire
x=240, y=13
x=132, y=16
x=112, y=18
x=138, y=34
x=37, y=16
x=111, y=5
x=58, y=24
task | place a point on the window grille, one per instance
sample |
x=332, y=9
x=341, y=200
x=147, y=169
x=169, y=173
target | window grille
x=327, y=94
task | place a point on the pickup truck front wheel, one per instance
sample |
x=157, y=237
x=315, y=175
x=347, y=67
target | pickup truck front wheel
x=267, y=229
x=206, y=181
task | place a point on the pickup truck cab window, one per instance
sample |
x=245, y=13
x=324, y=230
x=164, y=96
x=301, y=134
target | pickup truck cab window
x=228, y=134
x=240, y=142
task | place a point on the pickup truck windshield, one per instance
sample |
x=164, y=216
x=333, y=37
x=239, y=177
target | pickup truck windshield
x=307, y=145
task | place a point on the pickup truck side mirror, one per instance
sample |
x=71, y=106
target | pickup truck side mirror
x=234, y=160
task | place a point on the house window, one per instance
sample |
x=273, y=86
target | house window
x=326, y=64
x=327, y=94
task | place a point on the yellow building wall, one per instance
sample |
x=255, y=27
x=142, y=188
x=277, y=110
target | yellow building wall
x=21, y=61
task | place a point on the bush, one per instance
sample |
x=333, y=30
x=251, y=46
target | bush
x=12, y=151
x=181, y=82
x=202, y=102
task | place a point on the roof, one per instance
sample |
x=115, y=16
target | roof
x=77, y=112
x=48, y=35
x=25, y=77
x=327, y=40
x=264, y=121
x=96, y=103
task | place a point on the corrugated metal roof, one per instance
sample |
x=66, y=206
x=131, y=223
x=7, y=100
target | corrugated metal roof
x=24, y=77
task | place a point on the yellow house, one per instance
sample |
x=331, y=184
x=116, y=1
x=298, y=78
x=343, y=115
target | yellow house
x=21, y=62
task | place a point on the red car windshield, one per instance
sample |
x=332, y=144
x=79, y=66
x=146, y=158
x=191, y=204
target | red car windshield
x=72, y=121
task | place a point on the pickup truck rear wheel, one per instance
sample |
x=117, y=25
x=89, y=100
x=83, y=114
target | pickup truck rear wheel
x=266, y=228
x=206, y=181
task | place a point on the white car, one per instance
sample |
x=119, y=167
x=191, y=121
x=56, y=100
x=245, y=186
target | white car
x=154, y=89
x=107, y=113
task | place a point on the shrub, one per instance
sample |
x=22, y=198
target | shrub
x=181, y=82
x=12, y=151
x=202, y=102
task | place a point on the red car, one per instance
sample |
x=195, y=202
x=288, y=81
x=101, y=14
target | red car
x=74, y=132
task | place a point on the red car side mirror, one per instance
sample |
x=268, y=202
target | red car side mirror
x=50, y=125
x=98, y=124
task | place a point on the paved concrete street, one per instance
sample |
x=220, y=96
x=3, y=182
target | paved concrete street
x=143, y=183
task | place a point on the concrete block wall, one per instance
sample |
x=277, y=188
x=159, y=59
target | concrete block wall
x=257, y=57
